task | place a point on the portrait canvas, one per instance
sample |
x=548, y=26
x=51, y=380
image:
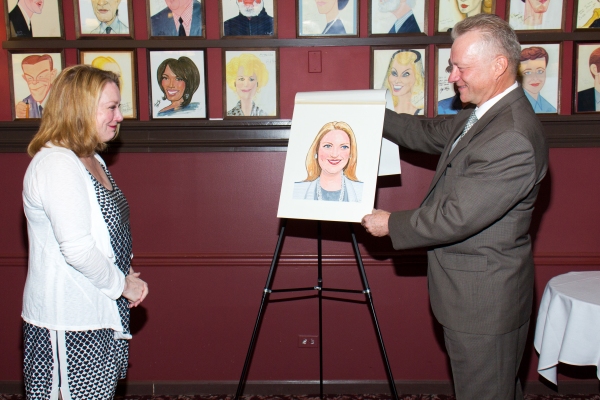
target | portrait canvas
x=178, y=83
x=164, y=18
x=33, y=19
x=330, y=171
x=587, y=86
x=395, y=17
x=535, y=14
x=122, y=63
x=449, y=12
x=248, y=18
x=327, y=18
x=402, y=72
x=251, y=84
x=587, y=14
x=539, y=73
x=106, y=18
x=447, y=97
x=32, y=75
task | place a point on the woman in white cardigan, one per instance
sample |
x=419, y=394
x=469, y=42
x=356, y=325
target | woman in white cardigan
x=79, y=285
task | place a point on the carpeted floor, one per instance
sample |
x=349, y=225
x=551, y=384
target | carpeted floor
x=329, y=397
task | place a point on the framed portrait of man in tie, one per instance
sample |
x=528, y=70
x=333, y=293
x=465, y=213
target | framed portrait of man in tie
x=248, y=18
x=397, y=17
x=176, y=18
x=30, y=19
x=108, y=19
x=32, y=75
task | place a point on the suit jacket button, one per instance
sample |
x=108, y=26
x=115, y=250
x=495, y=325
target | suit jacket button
x=449, y=165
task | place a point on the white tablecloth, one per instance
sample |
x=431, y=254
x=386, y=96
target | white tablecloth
x=568, y=324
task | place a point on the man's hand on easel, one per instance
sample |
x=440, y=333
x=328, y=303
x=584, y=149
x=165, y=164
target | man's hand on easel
x=376, y=223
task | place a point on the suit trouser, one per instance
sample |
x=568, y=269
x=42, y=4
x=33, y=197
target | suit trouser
x=486, y=366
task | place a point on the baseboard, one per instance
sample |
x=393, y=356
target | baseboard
x=591, y=386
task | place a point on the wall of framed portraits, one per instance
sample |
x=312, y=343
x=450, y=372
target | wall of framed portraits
x=204, y=185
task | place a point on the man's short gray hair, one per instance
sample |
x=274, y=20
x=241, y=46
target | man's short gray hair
x=496, y=34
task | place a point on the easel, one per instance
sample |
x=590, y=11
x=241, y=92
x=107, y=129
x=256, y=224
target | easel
x=320, y=289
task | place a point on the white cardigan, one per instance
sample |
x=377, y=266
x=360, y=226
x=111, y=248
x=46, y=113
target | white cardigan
x=72, y=281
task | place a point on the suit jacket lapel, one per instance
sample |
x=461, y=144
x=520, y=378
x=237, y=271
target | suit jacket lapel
x=447, y=157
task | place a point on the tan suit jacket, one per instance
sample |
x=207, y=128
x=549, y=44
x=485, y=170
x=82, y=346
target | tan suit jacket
x=476, y=215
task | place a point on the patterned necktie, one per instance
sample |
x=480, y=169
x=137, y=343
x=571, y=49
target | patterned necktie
x=108, y=29
x=181, y=28
x=472, y=119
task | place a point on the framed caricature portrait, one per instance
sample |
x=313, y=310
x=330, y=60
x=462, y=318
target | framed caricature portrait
x=26, y=19
x=178, y=84
x=449, y=12
x=251, y=83
x=32, y=75
x=587, y=81
x=539, y=75
x=402, y=72
x=248, y=18
x=447, y=100
x=525, y=15
x=391, y=17
x=587, y=14
x=104, y=18
x=163, y=18
x=327, y=18
x=121, y=62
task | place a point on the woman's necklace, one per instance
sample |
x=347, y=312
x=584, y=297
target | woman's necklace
x=320, y=192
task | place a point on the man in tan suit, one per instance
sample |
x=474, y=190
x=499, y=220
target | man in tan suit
x=476, y=215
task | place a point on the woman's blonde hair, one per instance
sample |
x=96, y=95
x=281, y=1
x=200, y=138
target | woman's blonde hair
x=312, y=164
x=251, y=65
x=101, y=61
x=412, y=58
x=69, y=118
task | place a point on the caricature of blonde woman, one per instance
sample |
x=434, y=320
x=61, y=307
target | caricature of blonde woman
x=246, y=75
x=405, y=80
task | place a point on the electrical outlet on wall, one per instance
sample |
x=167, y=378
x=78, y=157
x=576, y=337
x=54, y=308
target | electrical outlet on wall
x=308, y=341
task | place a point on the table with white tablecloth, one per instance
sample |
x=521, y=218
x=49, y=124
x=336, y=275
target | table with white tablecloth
x=568, y=323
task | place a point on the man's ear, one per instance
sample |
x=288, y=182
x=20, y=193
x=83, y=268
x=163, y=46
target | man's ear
x=594, y=70
x=500, y=66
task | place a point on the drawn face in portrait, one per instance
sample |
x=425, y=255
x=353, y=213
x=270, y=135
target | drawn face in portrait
x=534, y=12
x=405, y=80
x=33, y=6
x=246, y=75
x=333, y=153
x=534, y=75
x=178, y=6
x=105, y=10
x=39, y=77
x=108, y=64
x=469, y=7
x=250, y=8
x=178, y=79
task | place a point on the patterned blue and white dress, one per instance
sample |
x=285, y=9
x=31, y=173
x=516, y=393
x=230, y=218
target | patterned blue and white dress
x=84, y=364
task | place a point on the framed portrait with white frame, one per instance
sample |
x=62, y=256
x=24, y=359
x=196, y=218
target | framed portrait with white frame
x=30, y=19
x=393, y=17
x=178, y=84
x=447, y=98
x=251, y=83
x=122, y=63
x=539, y=75
x=164, y=16
x=449, y=12
x=527, y=15
x=31, y=78
x=586, y=15
x=245, y=19
x=402, y=72
x=327, y=18
x=108, y=19
x=587, y=77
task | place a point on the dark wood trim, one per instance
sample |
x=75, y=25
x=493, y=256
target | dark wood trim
x=373, y=260
x=183, y=136
x=261, y=42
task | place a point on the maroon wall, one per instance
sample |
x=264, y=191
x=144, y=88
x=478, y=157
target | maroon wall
x=205, y=228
